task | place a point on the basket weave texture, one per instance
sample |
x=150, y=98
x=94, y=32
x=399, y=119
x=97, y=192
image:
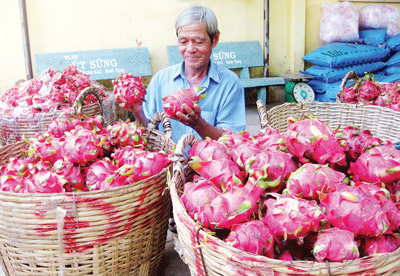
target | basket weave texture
x=207, y=255
x=383, y=122
x=13, y=128
x=120, y=231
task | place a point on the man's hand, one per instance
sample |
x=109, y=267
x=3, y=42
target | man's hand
x=134, y=109
x=192, y=116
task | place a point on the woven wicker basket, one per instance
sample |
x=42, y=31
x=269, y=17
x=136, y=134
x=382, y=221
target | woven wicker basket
x=207, y=255
x=121, y=231
x=383, y=122
x=13, y=128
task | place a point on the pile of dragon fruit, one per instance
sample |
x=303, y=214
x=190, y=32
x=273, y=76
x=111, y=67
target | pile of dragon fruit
x=51, y=91
x=78, y=154
x=308, y=193
x=370, y=92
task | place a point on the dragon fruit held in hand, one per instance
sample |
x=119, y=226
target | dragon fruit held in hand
x=253, y=237
x=173, y=103
x=311, y=140
x=335, y=245
x=129, y=90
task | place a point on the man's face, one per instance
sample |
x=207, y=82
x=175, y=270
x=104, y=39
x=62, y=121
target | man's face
x=195, y=45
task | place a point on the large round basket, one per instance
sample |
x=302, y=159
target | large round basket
x=383, y=122
x=120, y=231
x=13, y=128
x=207, y=255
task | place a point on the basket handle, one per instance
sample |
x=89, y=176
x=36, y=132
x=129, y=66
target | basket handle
x=78, y=104
x=161, y=117
x=187, y=139
x=262, y=113
x=350, y=75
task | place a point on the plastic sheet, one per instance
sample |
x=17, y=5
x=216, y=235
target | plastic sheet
x=339, y=23
x=380, y=16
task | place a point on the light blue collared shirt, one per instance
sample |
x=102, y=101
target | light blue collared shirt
x=224, y=105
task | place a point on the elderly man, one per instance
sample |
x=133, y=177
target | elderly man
x=224, y=106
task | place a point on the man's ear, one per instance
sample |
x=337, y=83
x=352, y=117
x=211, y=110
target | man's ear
x=215, y=40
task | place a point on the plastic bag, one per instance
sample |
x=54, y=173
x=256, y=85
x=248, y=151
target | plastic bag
x=339, y=23
x=380, y=16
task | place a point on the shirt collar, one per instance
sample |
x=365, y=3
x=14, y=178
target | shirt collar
x=212, y=73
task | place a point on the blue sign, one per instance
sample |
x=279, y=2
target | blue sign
x=99, y=64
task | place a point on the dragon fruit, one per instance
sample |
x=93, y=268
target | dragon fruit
x=79, y=150
x=12, y=182
x=349, y=94
x=122, y=134
x=268, y=138
x=198, y=192
x=379, y=164
x=234, y=206
x=99, y=174
x=291, y=218
x=271, y=167
x=252, y=237
x=313, y=141
x=368, y=90
x=209, y=149
x=229, y=139
x=312, y=179
x=43, y=180
x=129, y=90
x=355, y=141
x=380, y=244
x=70, y=175
x=352, y=208
x=335, y=245
x=173, y=103
x=223, y=172
x=242, y=152
x=44, y=148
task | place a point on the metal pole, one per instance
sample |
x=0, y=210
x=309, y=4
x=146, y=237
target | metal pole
x=25, y=37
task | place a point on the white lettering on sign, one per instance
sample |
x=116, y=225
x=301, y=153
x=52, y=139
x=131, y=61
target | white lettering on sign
x=224, y=55
x=81, y=65
x=103, y=63
x=71, y=57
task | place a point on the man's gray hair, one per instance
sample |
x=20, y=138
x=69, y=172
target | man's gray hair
x=198, y=14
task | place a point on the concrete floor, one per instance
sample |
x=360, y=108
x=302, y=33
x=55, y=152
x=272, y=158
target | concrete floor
x=172, y=263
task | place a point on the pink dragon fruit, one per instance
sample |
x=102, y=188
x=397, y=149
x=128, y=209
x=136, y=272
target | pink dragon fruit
x=292, y=218
x=148, y=164
x=229, y=139
x=12, y=182
x=70, y=175
x=44, y=148
x=209, y=149
x=223, y=172
x=313, y=141
x=173, y=103
x=253, y=237
x=129, y=90
x=242, y=152
x=268, y=138
x=100, y=173
x=122, y=134
x=59, y=125
x=79, y=150
x=367, y=92
x=198, y=192
x=355, y=141
x=335, y=245
x=380, y=244
x=312, y=179
x=43, y=180
x=271, y=167
x=379, y=164
x=234, y=206
x=349, y=94
x=351, y=208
